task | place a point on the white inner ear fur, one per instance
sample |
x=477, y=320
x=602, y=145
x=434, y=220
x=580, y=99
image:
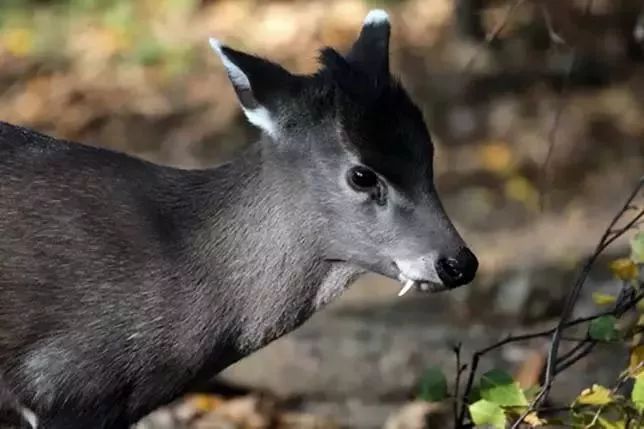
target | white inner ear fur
x=376, y=17
x=30, y=417
x=260, y=116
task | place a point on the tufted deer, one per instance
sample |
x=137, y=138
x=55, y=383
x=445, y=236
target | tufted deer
x=123, y=282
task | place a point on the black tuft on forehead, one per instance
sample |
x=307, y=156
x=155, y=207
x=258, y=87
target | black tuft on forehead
x=356, y=82
x=382, y=125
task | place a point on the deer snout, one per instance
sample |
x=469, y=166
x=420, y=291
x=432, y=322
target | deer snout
x=457, y=270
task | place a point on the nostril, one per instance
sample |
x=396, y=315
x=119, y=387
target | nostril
x=459, y=270
x=451, y=268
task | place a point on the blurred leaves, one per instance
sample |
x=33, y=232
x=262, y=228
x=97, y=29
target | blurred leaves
x=96, y=32
x=205, y=403
x=496, y=157
x=603, y=298
x=520, y=189
x=18, y=41
x=433, y=385
x=603, y=328
x=624, y=269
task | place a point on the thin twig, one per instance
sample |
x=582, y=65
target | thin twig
x=571, y=301
x=492, y=36
x=552, y=133
x=580, y=353
x=459, y=370
x=583, y=349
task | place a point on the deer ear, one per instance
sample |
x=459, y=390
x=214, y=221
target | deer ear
x=258, y=84
x=370, y=52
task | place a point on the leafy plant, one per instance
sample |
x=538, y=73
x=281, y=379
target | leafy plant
x=496, y=400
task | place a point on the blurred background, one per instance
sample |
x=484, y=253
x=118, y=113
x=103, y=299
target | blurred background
x=537, y=113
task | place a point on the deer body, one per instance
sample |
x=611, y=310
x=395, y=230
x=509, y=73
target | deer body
x=123, y=282
x=176, y=281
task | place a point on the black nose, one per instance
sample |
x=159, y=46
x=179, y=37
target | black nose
x=457, y=270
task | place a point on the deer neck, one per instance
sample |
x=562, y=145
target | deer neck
x=254, y=251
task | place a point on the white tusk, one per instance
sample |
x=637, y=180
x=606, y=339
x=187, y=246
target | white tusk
x=406, y=287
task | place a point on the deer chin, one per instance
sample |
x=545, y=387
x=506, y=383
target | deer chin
x=421, y=285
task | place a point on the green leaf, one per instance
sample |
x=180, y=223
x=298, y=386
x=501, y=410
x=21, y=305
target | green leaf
x=499, y=387
x=484, y=412
x=610, y=424
x=637, y=248
x=433, y=385
x=603, y=329
x=637, y=395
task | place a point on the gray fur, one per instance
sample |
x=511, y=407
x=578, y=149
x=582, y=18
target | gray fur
x=122, y=282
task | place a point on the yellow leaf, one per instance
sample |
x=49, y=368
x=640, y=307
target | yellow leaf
x=18, y=41
x=205, y=403
x=603, y=298
x=636, y=361
x=624, y=269
x=596, y=395
x=520, y=189
x=496, y=157
x=533, y=420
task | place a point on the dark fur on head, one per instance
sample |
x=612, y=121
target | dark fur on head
x=383, y=125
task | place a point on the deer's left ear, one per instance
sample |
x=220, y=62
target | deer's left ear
x=370, y=52
x=258, y=83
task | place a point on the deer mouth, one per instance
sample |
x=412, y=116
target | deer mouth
x=421, y=285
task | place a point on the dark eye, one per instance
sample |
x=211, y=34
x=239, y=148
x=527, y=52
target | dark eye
x=362, y=179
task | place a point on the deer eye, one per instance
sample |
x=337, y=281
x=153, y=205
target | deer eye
x=362, y=179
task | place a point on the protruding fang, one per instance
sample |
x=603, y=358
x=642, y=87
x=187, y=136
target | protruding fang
x=424, y=287
x=406, y=287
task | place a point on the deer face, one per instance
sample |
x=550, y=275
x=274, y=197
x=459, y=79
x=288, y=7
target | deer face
x=358, y=145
